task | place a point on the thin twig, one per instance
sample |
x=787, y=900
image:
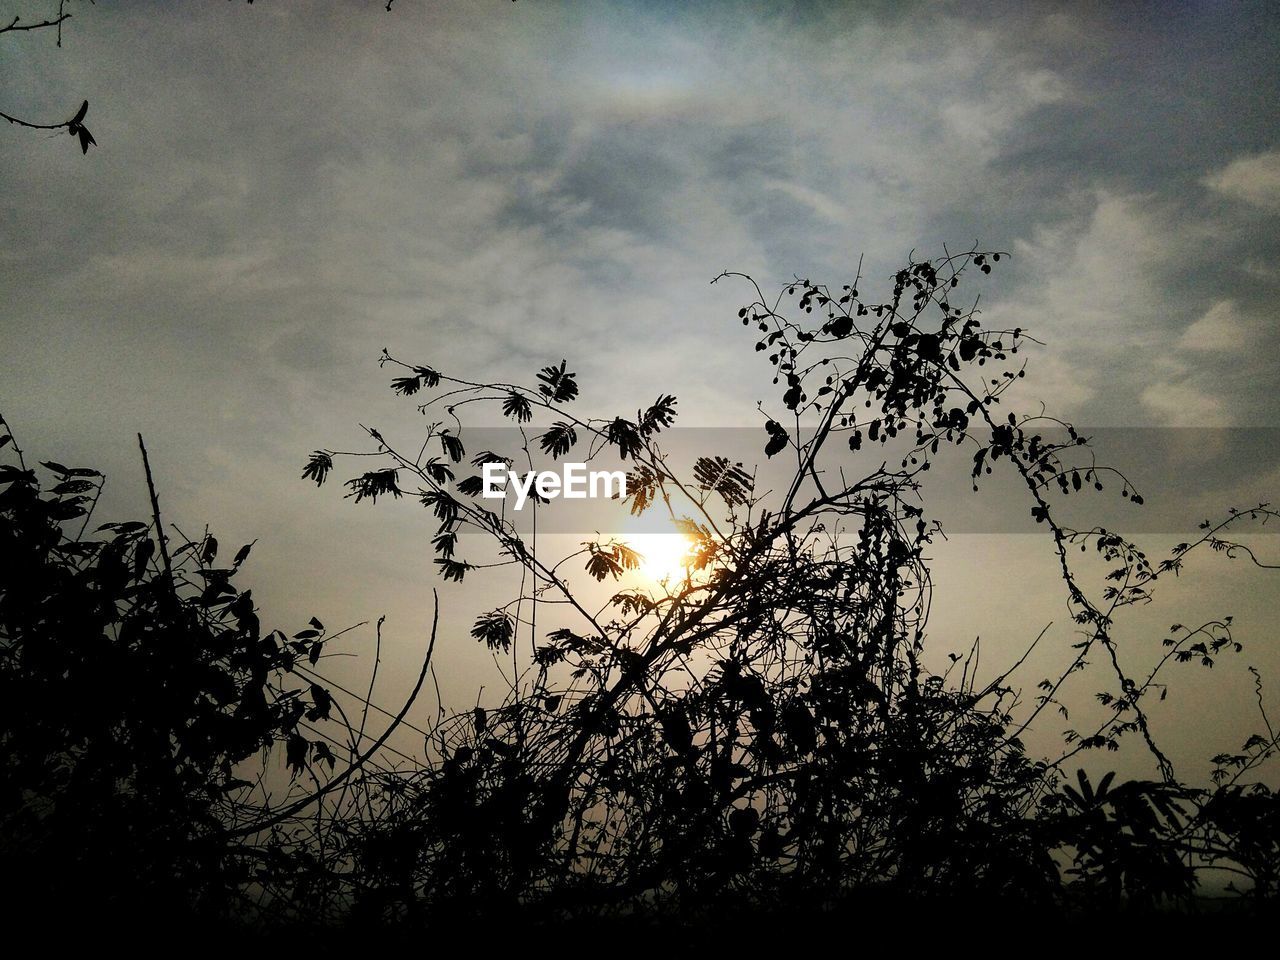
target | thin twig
x=155, y=512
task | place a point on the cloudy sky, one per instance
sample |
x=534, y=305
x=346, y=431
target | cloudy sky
x=281, y=190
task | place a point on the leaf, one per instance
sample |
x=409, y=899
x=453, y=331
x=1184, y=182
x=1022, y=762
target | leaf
x=518, y=407
x=633, y=602
x=675, y=729
x=624, y=435
x=1086, y=789
x=296, y=753
x=242, y=554
x=793, y=396
x=744, y=821
x=601, y=565
x=730, y=480
x=445, y=543
x=611, y=561
x=80, y=114
x=73, y=486
x=322, y=703
x=453, y=569
x=692, y=529
x=406, y=386
x=222, y=575
x=799, y=726
x=318, y=467
x=662, y=414
x=210, y=550
x=86, y=138
x=488, y=456
x=141, y=556
x=557, y=384
x=841, y=326
x=321, y=751
x=129, y=526
x=67, y=509
x=629, y=559
x=558, y=440
x=494, y=629
x=642, y=487
x=778, y=438
x=548, y=656
x=374, y=484
x=442, y=505
x=437, y=471
x=452, y=446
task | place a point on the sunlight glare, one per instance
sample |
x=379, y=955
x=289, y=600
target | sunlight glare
x=665, y=555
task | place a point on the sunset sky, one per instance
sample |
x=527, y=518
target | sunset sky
x=281, y=190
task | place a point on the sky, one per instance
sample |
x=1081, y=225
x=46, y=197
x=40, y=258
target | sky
x=282, y=190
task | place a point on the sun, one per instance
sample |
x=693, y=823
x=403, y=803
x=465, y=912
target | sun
x=665, y=556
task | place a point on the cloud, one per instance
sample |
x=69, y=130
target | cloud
x=1222, y=329
x=989, y=120
x=1097, y=269
x=1185, y=403
x=818, y=202
x=1254, y=180
x=1087, y=283
x=280, y=193
x=1132, y=339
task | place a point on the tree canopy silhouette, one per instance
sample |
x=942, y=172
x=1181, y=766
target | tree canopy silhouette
x=765, y=723
x=759, y=731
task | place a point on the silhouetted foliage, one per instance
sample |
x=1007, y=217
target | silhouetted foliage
x=763, y=730
x=760, y=731
x=139, y=697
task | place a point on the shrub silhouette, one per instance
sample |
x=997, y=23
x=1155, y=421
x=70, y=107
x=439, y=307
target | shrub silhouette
x=760, y=731
x=134, y=686
x=764, y=727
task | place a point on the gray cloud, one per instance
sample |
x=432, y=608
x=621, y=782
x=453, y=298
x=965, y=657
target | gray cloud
x=281, y=191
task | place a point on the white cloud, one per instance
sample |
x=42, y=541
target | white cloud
x=1002, y=104
x=1185, y=403
x=1222, y=329
x=817, y=201
x=1254, y=180
x=1102, y=299
x=1063, y=387
x=1097, y=269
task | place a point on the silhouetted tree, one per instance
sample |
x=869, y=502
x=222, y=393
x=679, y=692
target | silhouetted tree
x=139, y=697
x=759, y=731
x=764, y=726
